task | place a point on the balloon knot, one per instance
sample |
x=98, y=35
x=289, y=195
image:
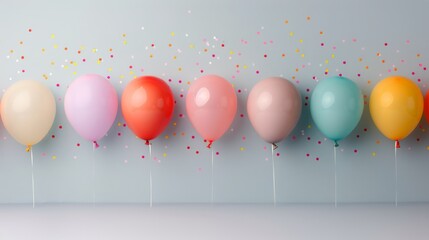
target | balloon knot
x=210, y=144
x=147, y=142
x=28, y=148
x=274, y=146
x=336, y=143
x=95, y=144
x=397, y=145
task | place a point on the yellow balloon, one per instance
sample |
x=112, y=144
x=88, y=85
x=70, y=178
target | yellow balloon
x=28, y=111
x=396, y=107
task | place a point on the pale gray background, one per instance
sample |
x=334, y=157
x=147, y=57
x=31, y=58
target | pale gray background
x=358, y=29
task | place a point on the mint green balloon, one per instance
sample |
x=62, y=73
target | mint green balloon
x=336, y=107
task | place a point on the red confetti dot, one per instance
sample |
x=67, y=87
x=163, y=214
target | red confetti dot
x=142, y=156
x=57, y=84
x=53, y=136
x=257, y=71
x=193, y=137
x=385, y=44
x=355, y=151
x=188, y=147
x=317, y=159
x=60, y=126
x=130, y=67
x=22, y=57
x=119, y=134
x=308, y=154
x=78, y=144
x=197, y=152
x=217, y=153
x=30, y=30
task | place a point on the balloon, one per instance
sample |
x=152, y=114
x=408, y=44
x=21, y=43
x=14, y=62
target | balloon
x=426, y=106
x=336, y=107
x=28, y=111
x=91, y=104
x=274, y=108
x=211, y=105
x=396, y=107
x=147, y=106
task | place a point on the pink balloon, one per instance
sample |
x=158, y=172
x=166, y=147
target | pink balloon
x=91, y=104
x=274, y=108
x=211, y=104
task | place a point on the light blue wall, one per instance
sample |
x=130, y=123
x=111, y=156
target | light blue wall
x=354, y=32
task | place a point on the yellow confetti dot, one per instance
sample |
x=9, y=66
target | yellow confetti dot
x=131, y=72
x=43, y=50
x=191, y=46
x=300, y=40
x=109, y=69
x=360, y=59
x=172, y=34
x=427, y=148
x=164, y=154
x=121, y=76
x=333, y=56
x=303, y=55
x=52, y=36
x=286, y=21
x=245, y=66
x=125, y=42
x=327, y=70
x=297, y=50
x=54, y=157
x=374, y=154
x=174, y=57
x=309, y=126
x=151, y=55
x=326, y=61
x=179, y=69
x=291, y=34
x=242, y=149
x=231, y=52
x=124, y=35
x=55, y=46
x=166, y=137
x=119, y=124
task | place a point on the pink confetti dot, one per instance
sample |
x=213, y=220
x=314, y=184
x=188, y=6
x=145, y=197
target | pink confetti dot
x=78, y=144
x=278, y=154
x=197, y=152
x=308, y=154
x=355, y=151
x=119, y=134
x=257, y=71
x=57, y=84
x=217, y=153
x=188, y=147
x=142, y=156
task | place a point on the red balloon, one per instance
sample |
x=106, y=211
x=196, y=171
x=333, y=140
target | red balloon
x=147, y=106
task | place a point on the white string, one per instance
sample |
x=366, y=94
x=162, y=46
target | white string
x=212, y=179
x=396, y=178
x=32, y=176
x=274, y=176
x=93, y=173
x=150, y=175
x=335, y=175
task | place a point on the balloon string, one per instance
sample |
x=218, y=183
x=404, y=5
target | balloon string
x=273, y=147
x=32, y=176
x=150, y=175
x=396, y=176
x=94, y=146
x=212, y=178
x=335, y=173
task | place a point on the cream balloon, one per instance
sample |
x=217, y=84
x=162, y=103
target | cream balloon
x=28, y=111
